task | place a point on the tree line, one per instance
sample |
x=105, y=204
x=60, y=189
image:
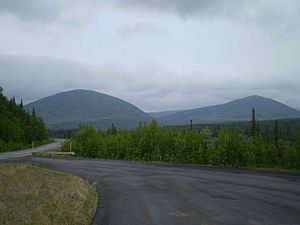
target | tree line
x=226, y=148
x=18, y=128
x=287, y=128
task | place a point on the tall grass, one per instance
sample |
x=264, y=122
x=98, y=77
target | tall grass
x=38, y=196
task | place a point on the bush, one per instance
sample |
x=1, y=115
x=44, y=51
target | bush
x=230, y=148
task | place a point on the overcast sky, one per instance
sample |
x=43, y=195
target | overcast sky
x=156, y=54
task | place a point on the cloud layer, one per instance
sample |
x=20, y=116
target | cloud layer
x=267, y=12
x=149, y=88
x=185, y=8
x=32, y=9
x=157, y=54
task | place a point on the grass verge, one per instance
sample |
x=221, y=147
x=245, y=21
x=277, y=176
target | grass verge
x=39, y=196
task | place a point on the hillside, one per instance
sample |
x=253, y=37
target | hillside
x=18, y=129
x=238, y=110
x=66, y=110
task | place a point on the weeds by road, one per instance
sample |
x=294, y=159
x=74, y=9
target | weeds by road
x=34, y=195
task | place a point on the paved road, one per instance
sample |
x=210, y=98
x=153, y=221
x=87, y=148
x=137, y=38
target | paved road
x=27, y=152
x=142, y=194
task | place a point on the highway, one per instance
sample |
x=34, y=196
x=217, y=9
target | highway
x=135, y=193
x=28, y=152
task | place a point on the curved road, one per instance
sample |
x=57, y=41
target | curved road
x=28, y=152
x=141, y=194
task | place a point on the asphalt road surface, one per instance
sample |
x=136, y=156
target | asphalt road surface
x=141, y=194
x=27, y=152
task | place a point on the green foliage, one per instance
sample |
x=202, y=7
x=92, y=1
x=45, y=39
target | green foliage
x=17, y=128
x=228, y=148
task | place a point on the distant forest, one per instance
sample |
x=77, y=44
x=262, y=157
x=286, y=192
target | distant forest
x=288, y=129
x=217, y=145
x=18, y=128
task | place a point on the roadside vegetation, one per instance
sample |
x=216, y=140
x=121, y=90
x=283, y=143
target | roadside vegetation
x=229, y=147
x=38, y=196
x=18, y=128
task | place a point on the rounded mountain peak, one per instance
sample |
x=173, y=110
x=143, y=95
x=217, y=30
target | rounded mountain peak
x=66, y=110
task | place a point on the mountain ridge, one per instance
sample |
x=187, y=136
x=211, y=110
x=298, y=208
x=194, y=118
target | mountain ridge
x=68, y=109
x=236, y=110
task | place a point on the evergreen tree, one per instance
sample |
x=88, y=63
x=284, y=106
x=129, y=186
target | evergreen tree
x=33, y=112
x=17, y=127
x=14, y=100
x=257, y=128
x=276, y=133
x=253, y=127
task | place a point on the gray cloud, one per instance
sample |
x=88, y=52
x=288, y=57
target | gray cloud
x=49, y=9
x=265, y=12
x=32, y=9
x=149, y=88
x=275, y=16
x=127, y=31
x=279, y=17
x=184, y=8
x=214, y=50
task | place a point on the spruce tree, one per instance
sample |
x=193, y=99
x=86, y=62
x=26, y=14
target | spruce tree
x=257, y=128
x=253, y=127
x=17, y=127
x=276, y=133
x=33, y=112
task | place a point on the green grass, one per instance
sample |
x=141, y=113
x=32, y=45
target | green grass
x=39, y=196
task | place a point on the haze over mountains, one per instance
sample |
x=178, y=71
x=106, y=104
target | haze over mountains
x=237, y=110
x=66, y=110
x=158, y=115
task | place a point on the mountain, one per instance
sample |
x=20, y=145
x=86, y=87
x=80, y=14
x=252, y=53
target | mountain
x=66, y=110
x=157, y=115
x=238, y=110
